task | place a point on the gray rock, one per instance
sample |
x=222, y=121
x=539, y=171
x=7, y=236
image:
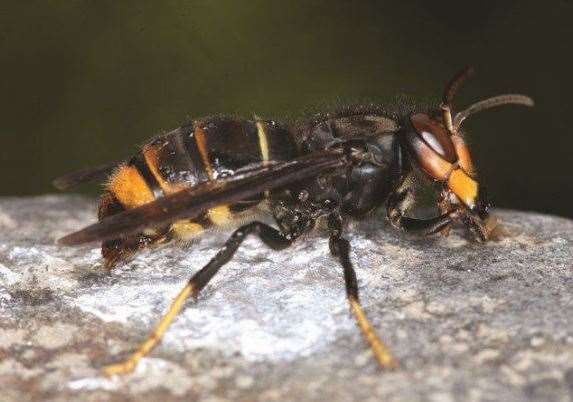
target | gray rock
x=467, y=321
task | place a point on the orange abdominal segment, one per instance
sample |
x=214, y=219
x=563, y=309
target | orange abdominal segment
x=130, y=188
x=151, y=156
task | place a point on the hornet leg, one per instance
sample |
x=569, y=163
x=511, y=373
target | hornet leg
x=396, y=207
x=340, y=248
x=269, y=235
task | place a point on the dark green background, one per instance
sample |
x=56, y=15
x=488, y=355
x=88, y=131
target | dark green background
x=84, y=82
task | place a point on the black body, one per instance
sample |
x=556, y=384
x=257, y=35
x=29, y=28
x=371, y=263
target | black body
x=338, y=166
x=213, y=149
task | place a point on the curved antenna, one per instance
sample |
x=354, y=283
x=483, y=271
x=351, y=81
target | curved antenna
x=510, y=99
x=451, y=88
x=455, y=83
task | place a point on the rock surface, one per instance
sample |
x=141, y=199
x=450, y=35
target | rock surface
x=468, y=322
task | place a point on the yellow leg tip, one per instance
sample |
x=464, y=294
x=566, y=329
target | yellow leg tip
x=383, y=355
x=388, y=362
x=130, y=364
x=127, y=367
x=381, y=352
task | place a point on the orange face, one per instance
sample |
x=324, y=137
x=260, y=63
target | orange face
x=440, y=151
x=444, y=157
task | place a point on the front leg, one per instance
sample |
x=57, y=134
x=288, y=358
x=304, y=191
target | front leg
x=340, y=248
x=444, y=206
x=398, y=203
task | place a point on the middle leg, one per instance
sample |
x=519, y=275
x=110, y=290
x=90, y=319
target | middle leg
x=340, y=248
x=396, y=206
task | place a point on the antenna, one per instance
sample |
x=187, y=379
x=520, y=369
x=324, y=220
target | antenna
x=511, y=99
x=448, y=96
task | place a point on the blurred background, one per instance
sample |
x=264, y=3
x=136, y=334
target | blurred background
x=85, y=82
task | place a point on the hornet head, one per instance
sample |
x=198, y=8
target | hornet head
x=437, y=147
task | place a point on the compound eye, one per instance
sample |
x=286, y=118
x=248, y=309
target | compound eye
x=434, y=135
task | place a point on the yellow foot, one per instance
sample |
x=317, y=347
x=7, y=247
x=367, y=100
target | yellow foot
x=387, y=361
x=381, y=352
x=124, y=368
x=130, y=364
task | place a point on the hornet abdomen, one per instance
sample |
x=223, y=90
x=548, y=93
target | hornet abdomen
x=204, y=150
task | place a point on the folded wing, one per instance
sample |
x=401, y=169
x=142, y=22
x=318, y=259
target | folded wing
x=188, y=203
x=86, y=175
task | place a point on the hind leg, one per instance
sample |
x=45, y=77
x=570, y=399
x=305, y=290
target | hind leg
x=269, y=235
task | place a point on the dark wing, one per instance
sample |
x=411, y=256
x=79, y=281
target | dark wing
x=188, y=203
x=72, y=179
